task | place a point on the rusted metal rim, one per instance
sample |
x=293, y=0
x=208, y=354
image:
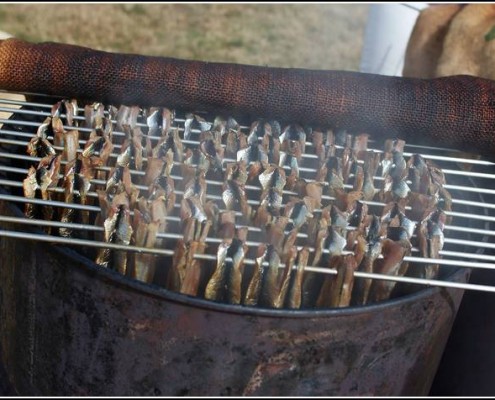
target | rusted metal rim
x=115, y=278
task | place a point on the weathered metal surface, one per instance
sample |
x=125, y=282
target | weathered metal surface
x=468, y=362
x=68, y=327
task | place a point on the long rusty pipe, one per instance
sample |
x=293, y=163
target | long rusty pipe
x=457, y=111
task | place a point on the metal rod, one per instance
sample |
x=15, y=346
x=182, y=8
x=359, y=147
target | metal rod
x=52, y=203
x=177, y=119
x=53, y=224
x=117, y=133
x=169, y=235
x=30, y=136
x=19, y=184
x=328, y=271
x=470, y=230
x=303, y=169
x=468, y=173
x=251, y=187
x=175, y=177
x=469, y=189
x=473, y=256
x=82, y=242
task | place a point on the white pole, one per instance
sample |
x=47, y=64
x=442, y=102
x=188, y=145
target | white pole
x=387, y=32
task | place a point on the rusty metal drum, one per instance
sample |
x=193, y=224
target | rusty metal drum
x=69, y=327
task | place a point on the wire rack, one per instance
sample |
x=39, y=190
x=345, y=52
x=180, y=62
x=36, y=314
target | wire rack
x=469, y=181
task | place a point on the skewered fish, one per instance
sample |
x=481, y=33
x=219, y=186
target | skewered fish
x=127, y=118
x=170, y=141
x=159, y=118
x=42, y=178
x=262, y=290
x=194, y=122
x=430, y=241
x=118, y=230
x=373, y=250
x=212, y=151
x=234, y=196
x=337, y=290
x=39, y=146
x=392, y=263
x=272, y=176
x=146, y=231
x=255, y=159
x=195, y=183
x=266, y=155
x=225, y=283
x=76, y=185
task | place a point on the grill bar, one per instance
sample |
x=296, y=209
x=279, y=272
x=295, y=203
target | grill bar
x=22, y=199
x=168, y=235
x=118, y=133
x=287, y=192
x=80, y=242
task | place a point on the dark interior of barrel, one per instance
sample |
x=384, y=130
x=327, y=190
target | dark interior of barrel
x=307, y=171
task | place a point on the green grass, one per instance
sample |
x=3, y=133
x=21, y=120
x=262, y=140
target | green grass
x=319, y=36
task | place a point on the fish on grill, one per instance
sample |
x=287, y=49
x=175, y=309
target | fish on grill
x=40, y=180
x=324, y=220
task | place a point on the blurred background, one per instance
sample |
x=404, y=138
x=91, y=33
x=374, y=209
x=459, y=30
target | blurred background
x=319, y=36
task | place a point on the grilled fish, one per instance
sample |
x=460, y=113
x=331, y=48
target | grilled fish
x=213, y=152
x=360, y=146
x=170, y=141
x=195, y=183
x=157, y=167
x=225, y=283
x=299, y=211
x=234, y=197
x=262, y=289
x=39, y=146
x=270, y=140
x=430, y=242
x=373, y=251
x=119, y=180
x=159, y=121
x=194, y=122
x=294, y=295
x=271, y=201
x=146, y=231
x=76, y=186
x=44, y=177
x=126, y=119
x=94, y=115
x=118, y=230
x=255, y=159
x=71, y=145
x=293, y=133
x=331, y=173
x=272, y=177
x=193, y=268
x=236, y=172
x=69, y=108
x=340, y=285
x=392, y=264
x=284, y=296
x=96, y=152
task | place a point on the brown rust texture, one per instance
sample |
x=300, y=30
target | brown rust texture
x=69, y=327
x=457, y=111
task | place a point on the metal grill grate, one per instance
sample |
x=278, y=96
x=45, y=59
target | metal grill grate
x=469, y=181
